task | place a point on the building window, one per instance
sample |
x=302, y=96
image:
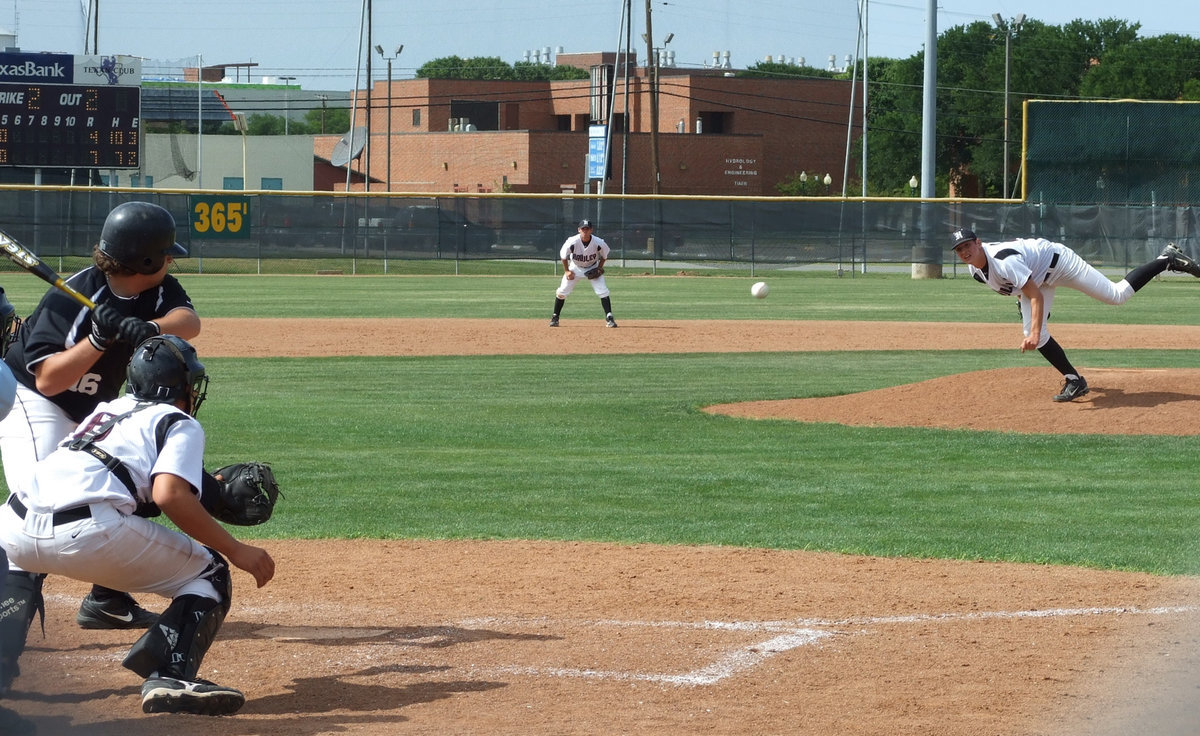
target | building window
x=137, y=180
x=416, y=117
x=716, y=123
x=564, y=122
x=272, y=183
x=233, y=183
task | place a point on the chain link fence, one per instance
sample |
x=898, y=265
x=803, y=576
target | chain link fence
x=259, y=232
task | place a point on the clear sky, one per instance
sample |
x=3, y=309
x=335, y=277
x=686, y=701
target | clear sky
x=317, y=41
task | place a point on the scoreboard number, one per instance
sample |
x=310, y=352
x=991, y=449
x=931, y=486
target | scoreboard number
x=70, y=125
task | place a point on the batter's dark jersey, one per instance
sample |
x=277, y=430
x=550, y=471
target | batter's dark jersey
x=59, y=322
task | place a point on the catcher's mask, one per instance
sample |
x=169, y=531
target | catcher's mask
x=165, y=369
x=140, y=236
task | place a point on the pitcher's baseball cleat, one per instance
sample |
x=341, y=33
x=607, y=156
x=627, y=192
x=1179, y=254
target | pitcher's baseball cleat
x=1073, y=389
x=609, y=321
x=1179, y=261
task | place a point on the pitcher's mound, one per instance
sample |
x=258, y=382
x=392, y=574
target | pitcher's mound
x=1122, y=401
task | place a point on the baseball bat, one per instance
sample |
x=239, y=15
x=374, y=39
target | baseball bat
x=21, y=256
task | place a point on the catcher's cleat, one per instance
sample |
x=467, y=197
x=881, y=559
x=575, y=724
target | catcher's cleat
x=554, y=321
x=199, y=697
x=122, y=612
x=1179, y=261
x=1072, y=389
x=609, y=321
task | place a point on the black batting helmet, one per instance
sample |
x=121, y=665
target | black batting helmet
x=139, y=236
x=164, y=369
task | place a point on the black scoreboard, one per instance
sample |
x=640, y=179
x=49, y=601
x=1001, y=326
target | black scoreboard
x=70, y=125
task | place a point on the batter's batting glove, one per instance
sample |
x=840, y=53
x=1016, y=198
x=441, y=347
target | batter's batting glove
x=106, y=324
x=136, y=331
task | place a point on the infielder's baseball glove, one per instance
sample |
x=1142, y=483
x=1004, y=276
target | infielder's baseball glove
x=248, y=492
x=594, y=272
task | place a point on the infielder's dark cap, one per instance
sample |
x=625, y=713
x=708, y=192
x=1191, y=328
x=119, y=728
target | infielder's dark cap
x=585, y=223
x=963, y=235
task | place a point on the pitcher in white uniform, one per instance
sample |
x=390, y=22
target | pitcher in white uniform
x=1032, y=268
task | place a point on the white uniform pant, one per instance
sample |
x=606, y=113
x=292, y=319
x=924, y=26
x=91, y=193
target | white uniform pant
x=568, y=285
x=1072, y=272
x=110, y=549
x=33, y=428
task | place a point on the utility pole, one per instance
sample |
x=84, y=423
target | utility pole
x=370, y=82
x=1008, y=28
x=652, y=58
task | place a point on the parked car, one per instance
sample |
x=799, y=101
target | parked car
x=443, y=231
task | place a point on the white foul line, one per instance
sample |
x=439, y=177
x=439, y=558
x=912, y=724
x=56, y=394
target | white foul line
x=793, y=634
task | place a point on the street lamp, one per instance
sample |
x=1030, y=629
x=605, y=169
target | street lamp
x=912, y=184
x=287, y=106
x=389, y=115
x=828, y=181
x=1009, y=28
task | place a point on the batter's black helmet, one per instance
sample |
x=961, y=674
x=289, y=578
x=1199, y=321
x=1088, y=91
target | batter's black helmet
x=139, y=236
x=164, y=369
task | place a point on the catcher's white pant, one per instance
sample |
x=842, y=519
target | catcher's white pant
x=110, y=549
x=1075, y=273
x=568, y=285
x=33, y=428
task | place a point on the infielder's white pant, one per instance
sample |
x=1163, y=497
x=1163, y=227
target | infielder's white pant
x=110, y=549
x=568, y=285
x=1074, y=273
x=31, y=431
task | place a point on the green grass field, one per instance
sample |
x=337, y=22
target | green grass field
x=490, y=447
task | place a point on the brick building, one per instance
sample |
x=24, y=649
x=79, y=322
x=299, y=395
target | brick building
x=717, y=135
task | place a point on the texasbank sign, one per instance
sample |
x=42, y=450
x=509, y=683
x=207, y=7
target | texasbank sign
x=70, y=69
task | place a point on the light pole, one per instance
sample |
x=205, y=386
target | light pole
x=1008, y=28
x=239, y=122
x=389, y=115
x=912, y=184
x=324, y=100
x=287, y=105
x=828, y=181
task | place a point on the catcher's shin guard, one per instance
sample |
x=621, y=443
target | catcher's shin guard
x=175, y=645
x=22, y=598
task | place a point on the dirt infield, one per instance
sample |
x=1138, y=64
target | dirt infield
x=572, y=638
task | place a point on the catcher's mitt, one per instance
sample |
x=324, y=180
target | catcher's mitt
x=247, y=494
x=594, y=272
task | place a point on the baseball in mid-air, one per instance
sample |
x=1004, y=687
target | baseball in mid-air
x=760, y=290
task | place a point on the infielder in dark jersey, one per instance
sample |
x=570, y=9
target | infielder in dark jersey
x=67, y=360
x=1032, y=268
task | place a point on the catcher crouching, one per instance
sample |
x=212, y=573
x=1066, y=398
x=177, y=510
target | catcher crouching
x=86, y=516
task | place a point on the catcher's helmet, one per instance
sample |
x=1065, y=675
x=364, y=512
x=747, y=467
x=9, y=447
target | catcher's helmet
x=139, y=236
x=164, y=369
